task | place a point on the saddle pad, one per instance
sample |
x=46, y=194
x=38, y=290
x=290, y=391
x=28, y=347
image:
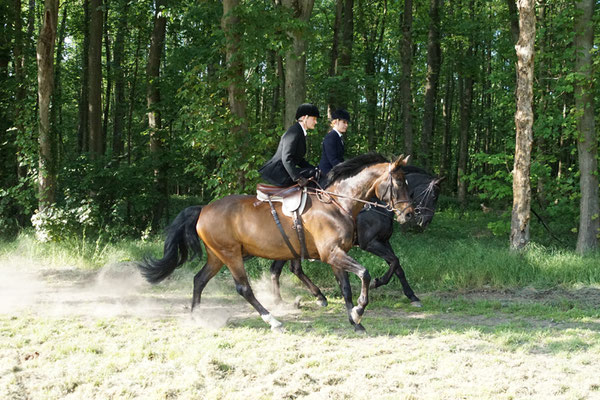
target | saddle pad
x=291, y=203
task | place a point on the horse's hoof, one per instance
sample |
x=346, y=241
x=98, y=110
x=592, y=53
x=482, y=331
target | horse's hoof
x=416, y=304
x=322, y=302
x=269, y=319
x=297, y=301
x=278, y=301
x=358, y=328
x=356, y=314
x=278, y=329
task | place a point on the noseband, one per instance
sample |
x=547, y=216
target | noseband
x=424, y=195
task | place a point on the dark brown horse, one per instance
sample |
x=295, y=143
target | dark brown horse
x=235, y=227
x=374, y=228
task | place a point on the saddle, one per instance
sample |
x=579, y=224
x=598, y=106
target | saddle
x=293, y=201
x=292, y=198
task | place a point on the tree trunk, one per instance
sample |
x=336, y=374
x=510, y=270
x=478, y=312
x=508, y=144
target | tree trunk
x=405, y=86
x=119, y=108
x=56, y=111
x=133, y=94
x=154, y=115
x=513, y=14
x=95, y=80
x=345, y=53
x=519, y=235
x=276, y=64
x=108, y=88
x=235, y=74
x=433, y=74
x=372, y=32
x=295, y=60
x=465, y=127
x=20, y=92
x=447, y=138
x=83, y=127
x=587, y=143
x=45, y=58
x=371, y=95
x=333, y=98
x=341, y=55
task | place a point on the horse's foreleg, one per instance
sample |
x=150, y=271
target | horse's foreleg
x=296, y=268
x=342, y=278
x=391, y=258
x=385, y=251
x=276, y=267
x=380, y=249
x=341, y=260
x=414, y=300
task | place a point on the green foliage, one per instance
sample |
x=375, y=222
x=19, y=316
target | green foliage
x=491, y=186
x=208, y=158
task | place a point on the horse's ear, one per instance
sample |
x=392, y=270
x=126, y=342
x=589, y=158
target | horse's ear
x=401, y=161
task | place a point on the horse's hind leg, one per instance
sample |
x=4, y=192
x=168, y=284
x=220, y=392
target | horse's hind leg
x=296, y=268
x=210, y=269
x=276, y=268
x=243, y=288
x=235, y=263
x=385, y=251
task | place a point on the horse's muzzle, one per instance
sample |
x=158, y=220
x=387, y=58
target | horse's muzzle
x=405, y=216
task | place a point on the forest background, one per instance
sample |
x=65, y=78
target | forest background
x=136, y=109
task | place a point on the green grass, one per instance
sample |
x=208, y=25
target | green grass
x=460, y=252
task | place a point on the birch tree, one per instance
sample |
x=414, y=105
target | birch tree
x=521, y=211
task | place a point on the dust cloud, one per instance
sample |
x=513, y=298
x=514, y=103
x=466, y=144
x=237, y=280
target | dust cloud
x=119, y=290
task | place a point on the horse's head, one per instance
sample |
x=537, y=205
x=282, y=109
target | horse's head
x=424, y=190
x=392, y=188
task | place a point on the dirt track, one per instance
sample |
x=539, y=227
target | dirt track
x=77, y=334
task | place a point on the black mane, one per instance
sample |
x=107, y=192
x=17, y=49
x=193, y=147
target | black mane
x=353, y=166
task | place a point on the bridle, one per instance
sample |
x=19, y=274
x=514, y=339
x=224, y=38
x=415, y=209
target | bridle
x=388, y=207
x=391, y=205
x=424, y=198
x=424, y=195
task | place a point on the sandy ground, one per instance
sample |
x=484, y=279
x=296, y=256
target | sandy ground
x=107, y=334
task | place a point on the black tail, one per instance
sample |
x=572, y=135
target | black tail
x=181, y=240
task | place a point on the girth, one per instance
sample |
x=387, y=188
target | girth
x=293, y=200
x=297, y=227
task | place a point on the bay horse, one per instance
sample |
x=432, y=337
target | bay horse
x=374, y=228
x=236, y=226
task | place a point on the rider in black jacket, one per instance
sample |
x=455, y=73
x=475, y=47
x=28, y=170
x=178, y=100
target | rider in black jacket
x=333, y=143
x=288, y=165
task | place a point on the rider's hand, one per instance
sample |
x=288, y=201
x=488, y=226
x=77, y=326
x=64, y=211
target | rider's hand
x=317, y=174
x=302, y=181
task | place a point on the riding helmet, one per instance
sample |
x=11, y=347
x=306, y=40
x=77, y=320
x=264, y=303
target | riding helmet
x=340, y=114
x=307, y=109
